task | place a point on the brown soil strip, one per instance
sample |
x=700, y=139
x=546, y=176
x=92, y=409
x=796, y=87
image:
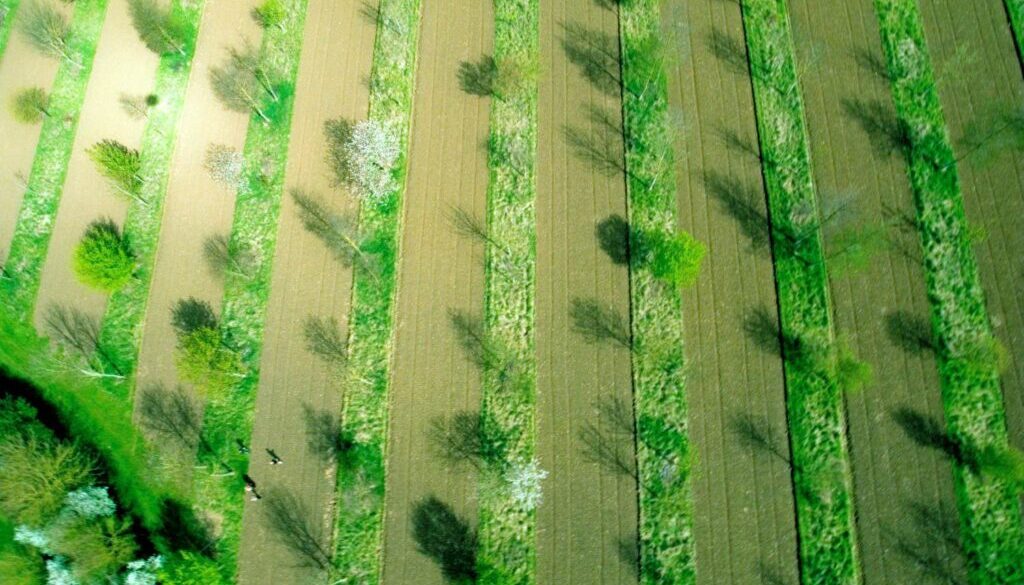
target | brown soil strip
x=439, y=271
x=307, y=280
x=122, y=66
x=743, y=503
x=587, y=523
x=972, y=48
x=895, y=479
x=21, y=67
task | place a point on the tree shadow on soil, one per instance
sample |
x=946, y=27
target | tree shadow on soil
x=930, y=544
x=910, y=332
x=466, y=438
x=610, y=442
x=600, y=324
x=596, y=55
x=598, y=144
x=889, y=135
x=447, y=539
x=930, y=432
x=613, y=236
x=871, y=62
x=742, y=202
x=759, y=435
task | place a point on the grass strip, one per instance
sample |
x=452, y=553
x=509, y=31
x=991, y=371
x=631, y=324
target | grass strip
x=821, y=466
x=121, y=328
x=507, y=546
x=359, y=511
x=229, y=415
x=967, y=357
x=1015, y=10
x=664, y=456
x=8, y=10
x=38, y=212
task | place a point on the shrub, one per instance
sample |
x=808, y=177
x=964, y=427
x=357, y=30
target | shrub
x=189, y=568
x=37, y=474
x=205, y=361
x=103, y=258
x=29, y=105
x=225, y=165
x=21, y=567
x=270, y=13
x=96, y=549
x=119, y=164
x=673, y=258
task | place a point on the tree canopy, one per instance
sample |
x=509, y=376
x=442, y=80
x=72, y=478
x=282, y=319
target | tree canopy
x=103, y=259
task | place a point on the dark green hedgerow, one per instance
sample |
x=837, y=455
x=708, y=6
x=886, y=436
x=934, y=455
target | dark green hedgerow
x=38, y=211
x=968, y=357
x=821, y=467
x=8, y=9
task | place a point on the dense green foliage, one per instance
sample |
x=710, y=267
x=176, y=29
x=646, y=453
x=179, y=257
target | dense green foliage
x=8, y=11
x=1016, y=10
x=968, y=354
x=270, y=13
x=672, y=258
x=163, y=30
x=103, y=259
x=29, y=106
x=119, y=164
x=821, y=467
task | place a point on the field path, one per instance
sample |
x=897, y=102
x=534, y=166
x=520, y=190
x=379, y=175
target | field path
x=973, y=51
x=587, y=522
x=337, y=49
x=21, y=66
x=439, y=271
x=122, y=66
x=895, y=479
x=744, y=524
x=195, y=206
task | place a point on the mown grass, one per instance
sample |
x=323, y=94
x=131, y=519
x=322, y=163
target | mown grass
x=820, y=460
x=990, y=510
x=507, y=547
x=8, y=10
x=229, y=415
x=360, y=509
x=38, y=211
x=1015, y=9
x=664, y=456
x=121, y=328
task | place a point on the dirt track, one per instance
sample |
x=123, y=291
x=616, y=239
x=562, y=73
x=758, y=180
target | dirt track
x=122, y=66
x=307, y=280
x=985, y=77
x=894, y=478
x=21, y=67
x=743, y=501
x=588, y=512
x=439, y=271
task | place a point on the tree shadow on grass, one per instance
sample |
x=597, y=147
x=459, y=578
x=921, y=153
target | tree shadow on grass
x=447, y=539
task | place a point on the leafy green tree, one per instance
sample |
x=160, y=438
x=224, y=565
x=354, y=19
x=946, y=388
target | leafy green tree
x=97, y=548
x=30, y=105
x=162, y=29
x=672, y=258
x=46, y=29
x=22, y=565
x=204, y=360
x=103, y=258
x=270, y=13
x=36, y=475
x=119, y=164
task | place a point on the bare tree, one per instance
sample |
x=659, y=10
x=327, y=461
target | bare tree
x=292, y=523
x=173, y=414
x=242, y=84
x=79, y=333
x=599, y=324
x=225, y=256
x=324, y=340
x=338, y=232
x=46, y=29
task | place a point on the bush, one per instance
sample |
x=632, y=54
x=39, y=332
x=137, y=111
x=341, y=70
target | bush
x=673, y=258
x=103, y=259
x=21, y=566
x=29, y=105
x=205, y=361
x=96, y=549
x=36, y=475
x=270, y=13
x=119, y=164
x=188, y=568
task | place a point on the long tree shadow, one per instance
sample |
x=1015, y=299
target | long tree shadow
x=599, y=323
x=610, y=442
x=730, y=51
x=596, y=55
x=888, y=134
x=599, y=143
x=466, y=438
x=742, y=202
x=762, y=327
x=930, y=432
x=759, y=435
x=872, y=62
x=931, y=544
x=446, y=538
x=910, y=332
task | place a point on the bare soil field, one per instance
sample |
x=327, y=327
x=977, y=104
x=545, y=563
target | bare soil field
x=122, y=66
x=439, y=271
x=587, y=522
x=897, y=483
x=307, y=280
x=743, y=503
x=979, y=73
x=21, y=67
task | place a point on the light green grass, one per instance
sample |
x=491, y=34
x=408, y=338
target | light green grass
x=820, y=454
x=121, y=328
x=360, y=512
x=8, y=10
x=507, y=531
x=1015, y=9
x=38, y=211
x=990, y=511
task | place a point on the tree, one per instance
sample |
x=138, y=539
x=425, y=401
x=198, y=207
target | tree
x=372, y=152
x=138, y=106
x=225, y=165
x=447, y=539
x=205, y=360
x=46, y=29
x=120, y=165
x=290, y=520
x=173, y=414
x=191, y=314
x=324, y=340
x=36, y=475
x=270, y=13
x=79, y=333
x=224, y=256
x=97, y=549
x=672, y=258
x=338, y=232
x=162, y=29
x=242, y=84
x=21, y=566
x=103, y=258
x=30, y=105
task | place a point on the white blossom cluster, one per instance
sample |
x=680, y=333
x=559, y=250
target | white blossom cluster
x=524, y=483
x=90, y=502
x=143, y=572
x=225, y=165
x=372, y=152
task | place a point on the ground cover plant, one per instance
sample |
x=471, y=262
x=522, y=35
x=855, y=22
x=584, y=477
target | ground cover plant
x=1015, y=8
x=816, y=370
x=507, y=522
x=8, y=10
x=74, y=45
x=358, y=528
x=121, y=327
x=967, y=353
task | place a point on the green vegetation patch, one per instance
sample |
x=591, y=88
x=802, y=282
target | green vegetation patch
x=122, y=332
x=8, y=9
x=45, y=183
x=813, y=364
x=968, y=355
x=1016, y=10
x=359, y=521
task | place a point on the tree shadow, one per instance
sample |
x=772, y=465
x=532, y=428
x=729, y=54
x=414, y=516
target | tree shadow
x=479, y=78
x=481, y=349
x=447, y=539
x=872, y=62
x=730, y=51
x=595, y=54
x=762, y=327
x=599, y=144
x=466, y=437
x=628, y=549
x=888, y=134
x=611, y=441
x=744, y=204
x=930, y=432
x=599, y=323
x=613, y=236
x=181, y=529
x=757, y=434
x=931, y=544
x=910, y=332
x=904, y=237
x=742, y=145
x=771, y=575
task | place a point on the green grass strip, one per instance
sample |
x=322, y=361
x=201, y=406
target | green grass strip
x=817, y=425
x=121, y=329
x=664, y=457
x=229, y=416
x=507, y=552
x=8, y=10
x=1015, y=9
x=990, y=511
x=360, y=510
x=38, y=212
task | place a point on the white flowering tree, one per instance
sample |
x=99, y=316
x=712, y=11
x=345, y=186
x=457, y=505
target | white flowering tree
x=372, y=151
x=523, y=479
x=225, y=165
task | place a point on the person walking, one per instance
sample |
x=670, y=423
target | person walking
x=250, y=483
x=241, y=447
x=274, y=459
